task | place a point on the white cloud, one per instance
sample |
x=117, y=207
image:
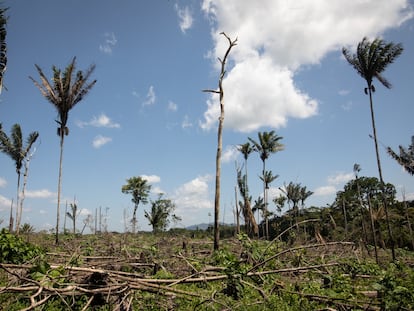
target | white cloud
x=230, y=154
x=277, y=38
x=109, y=44
x=325, y=190
x=186, y=122
x=3, y=182
x=101, y=121
x=172, y=106
x=150, y=99
x=100, y=140
x=343, y=92
x=152, y=179
x=185, y=18
x=193, y=196
x=340, y=178
x=5, y=203
x=85, y=212
x=40, y=194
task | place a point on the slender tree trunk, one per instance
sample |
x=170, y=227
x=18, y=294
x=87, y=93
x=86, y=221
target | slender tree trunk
x=11, y=221
x=364, y=231
x=64, y=219
x=384, y=199
x=26, y=172
x=374, y=235
x=220, y=142
x=62, y=138
x=345, y=218
x=134, y=219
x=16, y=228
x=218, y=174
x=237, y=211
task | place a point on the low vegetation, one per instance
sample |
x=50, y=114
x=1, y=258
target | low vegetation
x=179, y=270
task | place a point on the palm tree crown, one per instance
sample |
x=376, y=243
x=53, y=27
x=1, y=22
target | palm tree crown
x=67, y=90
x=372, y=58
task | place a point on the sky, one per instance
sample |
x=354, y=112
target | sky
x=147, y=115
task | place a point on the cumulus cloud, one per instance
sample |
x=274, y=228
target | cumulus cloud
x=3, y=182
x=4, y=203
x=100, y=140
x=152, y=179
x=150, y=99
x=185, y=18
x=193, y=195
x=40, y=194
x=230, y=153
x=338, y=179
x=109, y=44
x=101, y=121
x=325, y=190
x=277, y=38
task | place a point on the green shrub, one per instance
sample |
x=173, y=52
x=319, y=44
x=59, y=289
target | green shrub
x=14, y=250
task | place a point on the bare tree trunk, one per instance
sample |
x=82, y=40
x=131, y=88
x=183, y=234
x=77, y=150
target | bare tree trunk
x=374, y=236
x=25, y=175
x=62, y=138
x=16, y=228
x=237, y=212
x=11, y=220
x=220, y=143
x=407, y=218
x=384, y=199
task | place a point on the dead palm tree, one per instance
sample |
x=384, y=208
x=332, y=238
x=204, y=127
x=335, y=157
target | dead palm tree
x=14, y=148
x=67, y=89
x=370, y=61
x=268, y=143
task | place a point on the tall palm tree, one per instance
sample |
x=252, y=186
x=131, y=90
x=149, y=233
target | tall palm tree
x=268, y=143
x=139, y=188
x=68, y=89
x=246, y=149
x=370, y=61
x=405, y=158
x=220, y=92
x=14, y=148
x=3, y=45
x=267, y=179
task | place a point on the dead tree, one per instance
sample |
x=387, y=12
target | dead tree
x=220, y=91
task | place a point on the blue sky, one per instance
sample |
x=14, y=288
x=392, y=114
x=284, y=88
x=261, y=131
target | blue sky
x=147, y=115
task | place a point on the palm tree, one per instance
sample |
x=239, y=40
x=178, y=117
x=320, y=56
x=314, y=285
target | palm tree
x=406, y=156
x=370, y=61
x=267, y=179
x=268, y=144
x=246, y=149
x=67, y=90
x=13, y=147
x=220, y=92
x=138, y=187
x=250, y=222
x=160, y=214
x=3, y=45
